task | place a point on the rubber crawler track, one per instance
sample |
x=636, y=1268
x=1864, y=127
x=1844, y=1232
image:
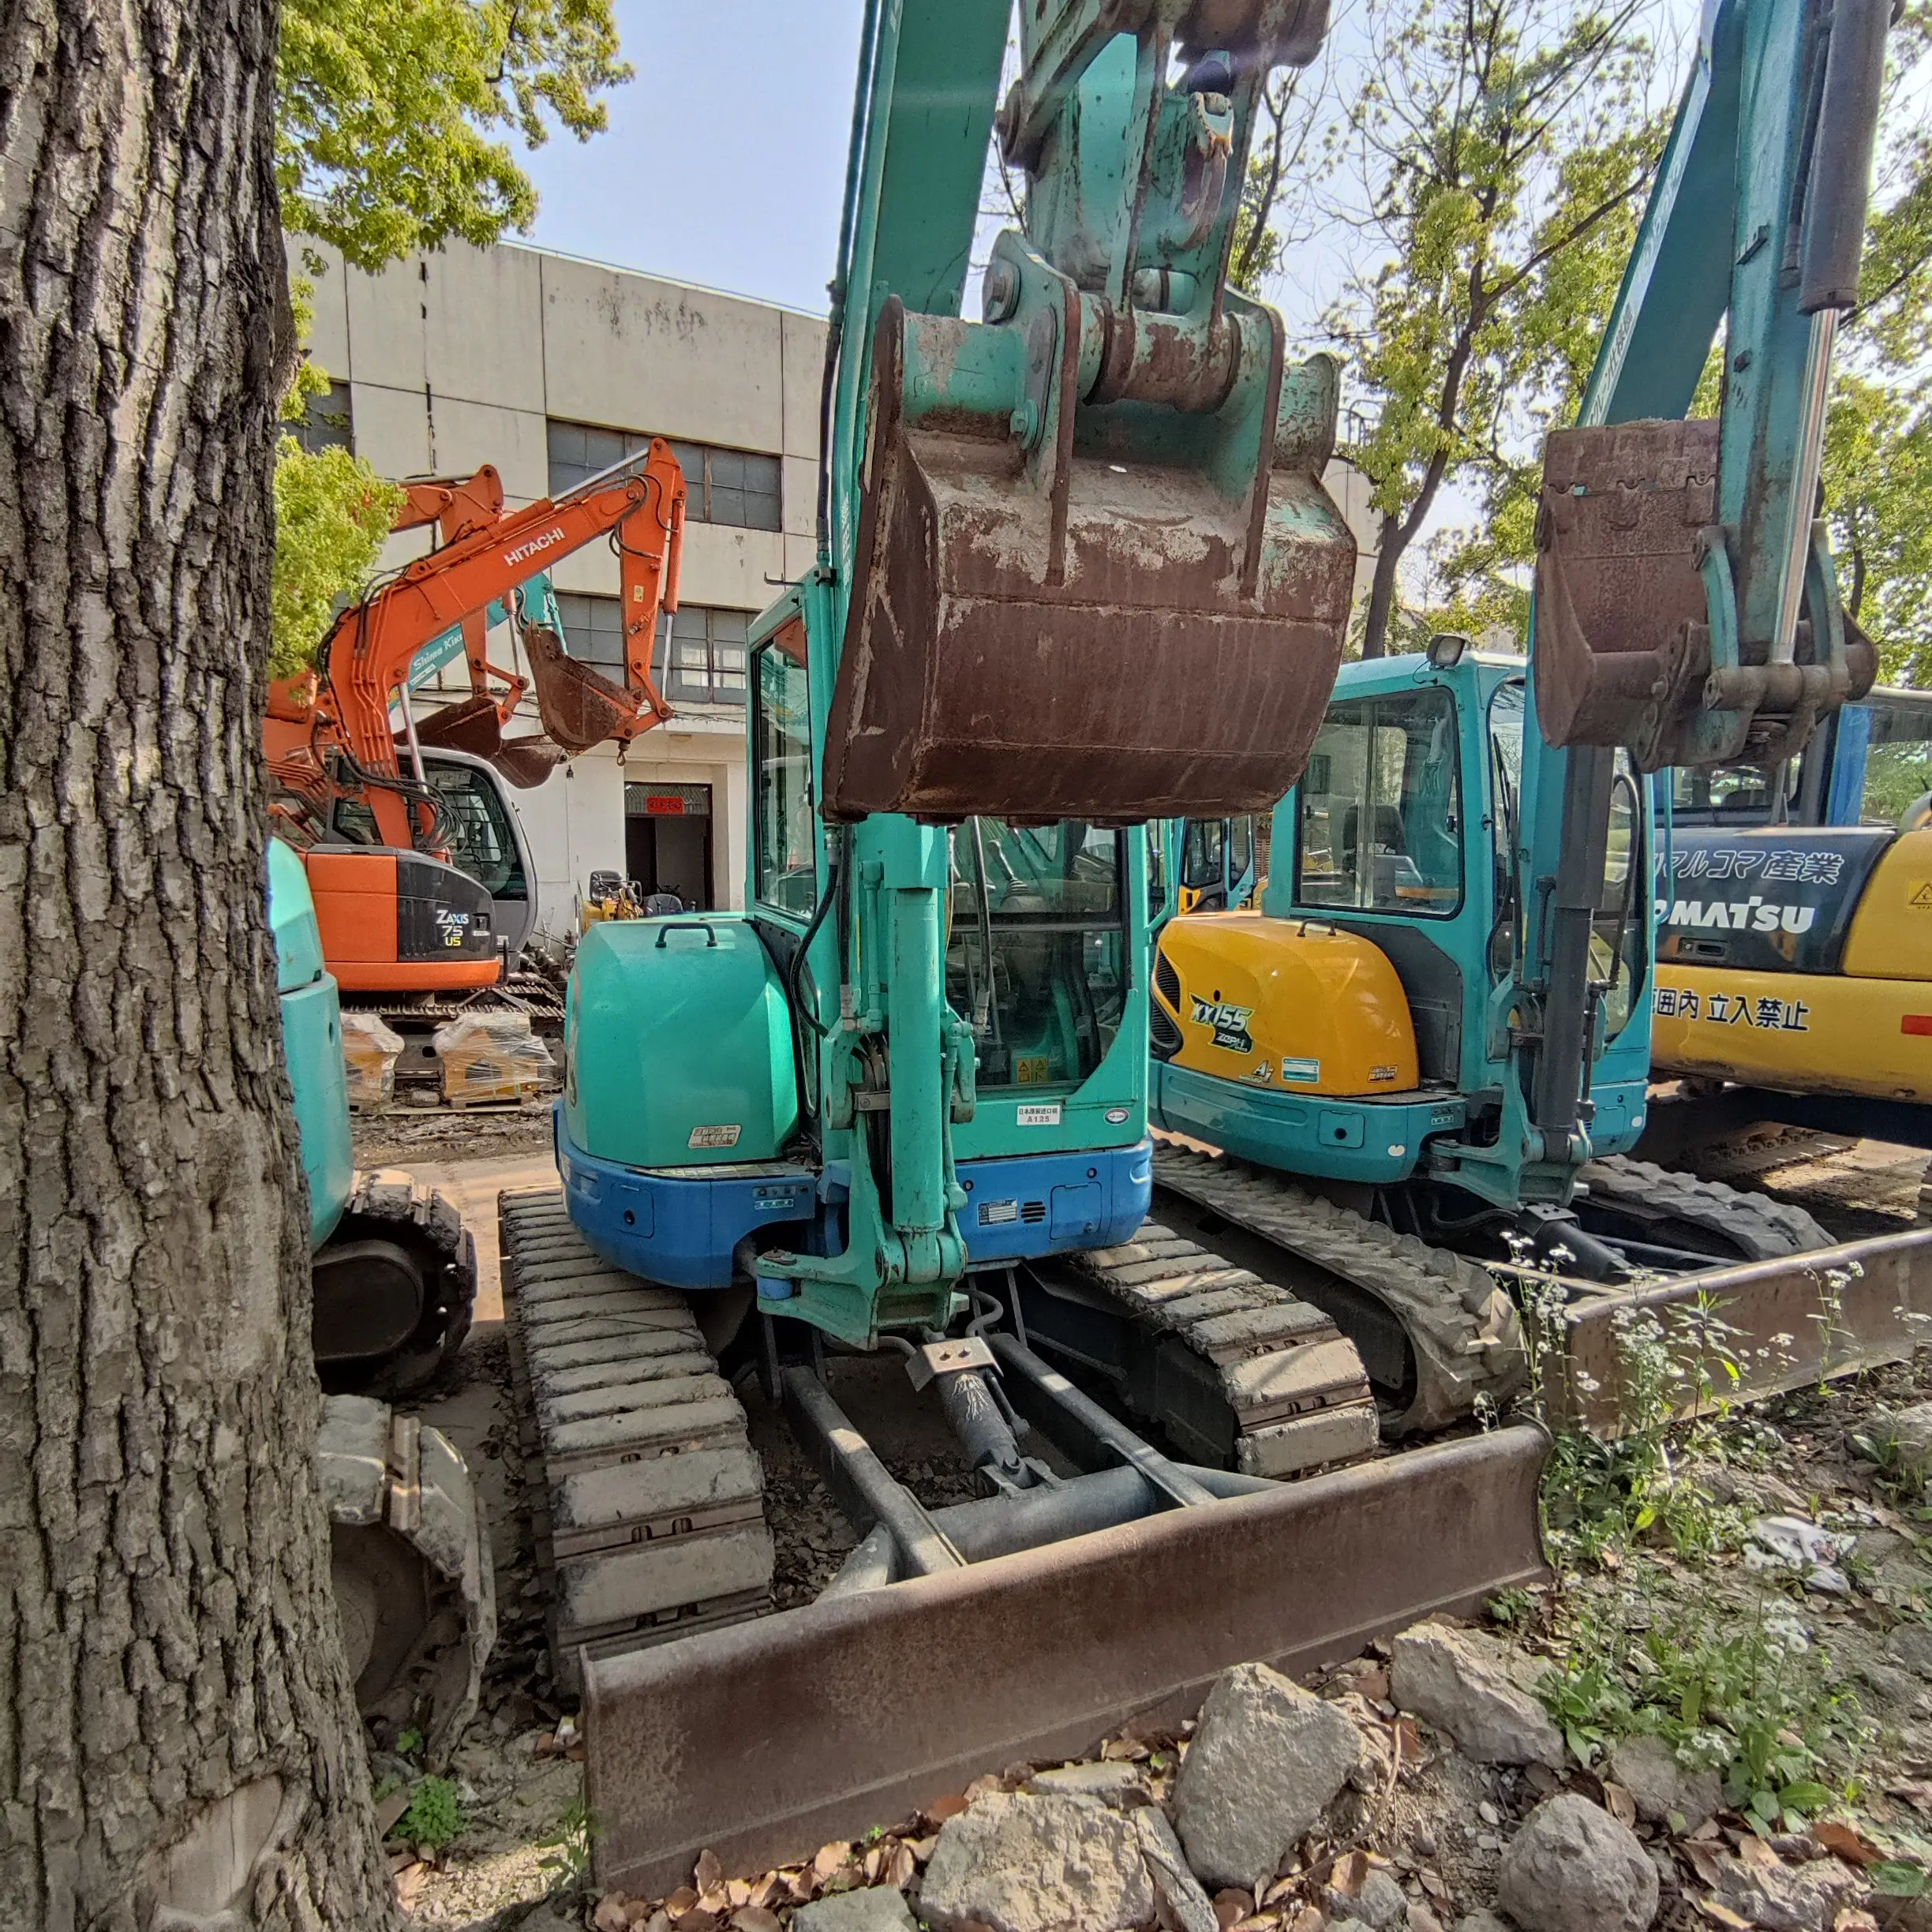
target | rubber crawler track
x=387, y=1206
x=1462, y=1326
x=1292, y=1383
x=651, y=1521
x=1758, y=1227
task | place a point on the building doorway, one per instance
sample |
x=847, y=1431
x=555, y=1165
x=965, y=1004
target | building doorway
x=668, y=841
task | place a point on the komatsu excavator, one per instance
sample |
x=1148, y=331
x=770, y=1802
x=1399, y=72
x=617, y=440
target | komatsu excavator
x=1076, y=571
x=1439, y=1021
x=1795, y=954
x=401, y=918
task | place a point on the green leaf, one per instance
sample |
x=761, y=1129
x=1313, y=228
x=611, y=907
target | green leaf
x=1896, y=1878
x=1804, y=1796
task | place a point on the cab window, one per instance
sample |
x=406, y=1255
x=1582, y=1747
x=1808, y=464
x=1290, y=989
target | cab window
x=1380, y=808
x=482, y=841
x=784, y=833
x=1036, y=947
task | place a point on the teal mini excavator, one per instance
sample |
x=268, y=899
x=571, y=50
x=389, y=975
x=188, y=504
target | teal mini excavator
x=395, y=1274
x=1427, y=1054
x=1076, y=571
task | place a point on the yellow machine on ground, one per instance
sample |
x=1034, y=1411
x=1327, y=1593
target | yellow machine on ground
x=1794, y=908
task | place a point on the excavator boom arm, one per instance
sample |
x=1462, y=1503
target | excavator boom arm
x=370, y=652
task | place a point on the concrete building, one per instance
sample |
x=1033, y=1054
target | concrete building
x=552, y=369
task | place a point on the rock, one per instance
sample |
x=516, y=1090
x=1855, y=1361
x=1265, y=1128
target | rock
x=1421, y=1919
x=1186, y=1903
x=1018, y=1861
x=1462, y=1681
x=1897, y=1689
x=1267, y=1758
x=1573, y=1868
x=877, y=1908
x=1911, y=1431
x=1481, y=1920
x=1109, y=1779
x=1647, y=1768
x=1786, y=1898
x=1379, y=1904
x=1910, y=1646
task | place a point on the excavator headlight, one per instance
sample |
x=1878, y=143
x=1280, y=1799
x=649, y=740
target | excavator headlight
x=1445, y=649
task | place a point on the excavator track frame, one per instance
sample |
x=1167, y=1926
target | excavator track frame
x=412, y=1572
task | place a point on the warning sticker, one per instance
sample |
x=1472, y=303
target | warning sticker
x=715, y=1136
x=1304, y=1071
x=1922, y=898
x=1040, y=1113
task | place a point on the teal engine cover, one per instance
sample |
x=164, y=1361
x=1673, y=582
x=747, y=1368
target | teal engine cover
x=312, y=1038
x=677, y=1045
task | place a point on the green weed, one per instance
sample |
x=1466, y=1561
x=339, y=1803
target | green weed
x=435, y=1815
x=566, y=1852
x=1753, y=1701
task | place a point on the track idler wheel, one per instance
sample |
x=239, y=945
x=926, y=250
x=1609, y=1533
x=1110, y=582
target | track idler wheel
x=410, y=1565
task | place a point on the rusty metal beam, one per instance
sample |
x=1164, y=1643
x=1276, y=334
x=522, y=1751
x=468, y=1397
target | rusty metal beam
x=764, y=1741
x=1801, y=1318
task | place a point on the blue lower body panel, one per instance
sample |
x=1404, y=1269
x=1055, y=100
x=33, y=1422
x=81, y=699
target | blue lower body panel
x=1340, y=1139
x=679, y=1229
x=1026, y=1205
x=682, y=1230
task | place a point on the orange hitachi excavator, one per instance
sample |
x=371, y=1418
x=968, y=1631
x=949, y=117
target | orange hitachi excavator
x=352, y=794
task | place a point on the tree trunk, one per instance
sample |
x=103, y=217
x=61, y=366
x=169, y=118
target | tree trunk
x=1389, y=544
x=178, y=1739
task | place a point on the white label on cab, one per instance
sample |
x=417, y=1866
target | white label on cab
x=1040, y=1113
x=715, y=1136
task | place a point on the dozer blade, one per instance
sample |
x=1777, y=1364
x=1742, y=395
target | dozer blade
x=1787, y=1324
x=580, y=706
x=1116, y=638
x=764, y=1741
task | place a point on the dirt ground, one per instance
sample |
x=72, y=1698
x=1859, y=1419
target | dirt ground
x=519, y=1779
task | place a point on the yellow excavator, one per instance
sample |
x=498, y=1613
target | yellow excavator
x=1794, y=905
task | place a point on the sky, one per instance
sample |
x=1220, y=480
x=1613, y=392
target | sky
x=725, y=157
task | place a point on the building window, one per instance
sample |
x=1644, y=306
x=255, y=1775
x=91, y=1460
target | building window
x=707, y=661
x=593, y=630
x=326, y=421
x=729, y=486
x=707, y=656
x=733, y=487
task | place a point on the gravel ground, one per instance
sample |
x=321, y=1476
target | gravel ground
x=519, y=1781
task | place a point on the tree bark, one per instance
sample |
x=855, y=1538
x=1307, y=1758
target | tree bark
x=178, y=1741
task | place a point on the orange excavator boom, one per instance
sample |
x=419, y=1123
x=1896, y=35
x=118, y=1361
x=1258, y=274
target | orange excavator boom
x=485, y=554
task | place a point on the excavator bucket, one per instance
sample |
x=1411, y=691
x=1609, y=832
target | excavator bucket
x=472, y=726
x=476, y=727
x=1624, y=656
x=579, y=707
x=1105, y=635
x=763, y=1741
x=1622, y=641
